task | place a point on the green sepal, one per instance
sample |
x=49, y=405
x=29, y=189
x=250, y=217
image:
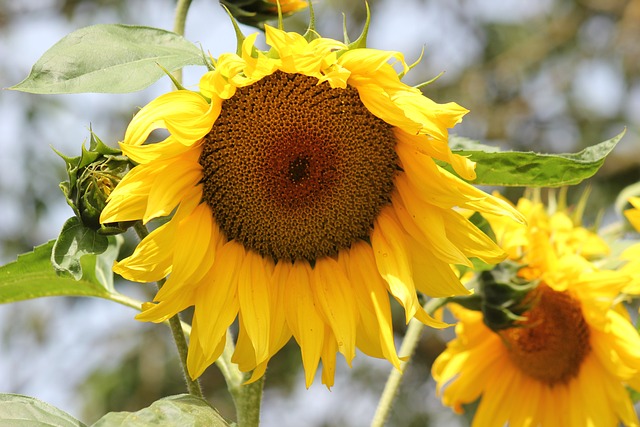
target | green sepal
x=179, y=410
x=361, y=42
x=505, y=296
x=530, y=169
x=109, y=58
x=311, y=33
x=428, y=82
x=416, y=62
x=240, y=37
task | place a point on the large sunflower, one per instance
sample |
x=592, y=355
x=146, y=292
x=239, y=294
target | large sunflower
x=569, y=362
x=304, y=190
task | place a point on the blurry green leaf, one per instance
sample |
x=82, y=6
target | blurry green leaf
x=23, y=411
x=529, y=169
x=109, y=58
x=74, y=242
x=181, y=410
x=33, y=276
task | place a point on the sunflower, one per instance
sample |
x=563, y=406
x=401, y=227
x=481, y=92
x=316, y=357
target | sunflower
x=570, y=359
x=302, y=189
x=631, y=255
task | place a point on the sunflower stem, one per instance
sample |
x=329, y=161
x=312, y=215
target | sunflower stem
x=175, y=324
x=232, y=375
x=247, y=398
x=179, y=23
x=409, y=343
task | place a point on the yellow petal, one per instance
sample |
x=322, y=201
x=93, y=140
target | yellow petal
x=253, y=296
x=303, y=319
x=192, y=253
x=375, y=329
x=169, y=187
x=496, y=396
x=152, y=258
x=244, y=354
x=334, y=295
x=432, y=276
x=280, y=333
x=329, y=350
x=633, y=215
x=128, y=201
x=159, y=312
x=471, y=241
x=197, y=359
x=421, y=171
x=185, y=114
x=429, y=220
x=590, y=394
x=147, y=153
x=392, y=259
x=225, y=79
x=365, y=63
x=217, y=296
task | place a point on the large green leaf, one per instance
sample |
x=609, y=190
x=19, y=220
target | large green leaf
x=33, y=276
x=182, y=410
x=109, y=58
x=529, y=169
x=24, y=411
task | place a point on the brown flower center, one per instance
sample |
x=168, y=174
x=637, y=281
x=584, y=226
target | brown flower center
x=294, y=169
x=553, y=342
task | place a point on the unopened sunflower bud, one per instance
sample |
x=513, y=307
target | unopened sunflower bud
x=505, y=296
x=257, y=12
x=92, y=177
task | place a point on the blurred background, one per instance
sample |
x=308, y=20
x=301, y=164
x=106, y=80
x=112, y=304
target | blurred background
x=551, y=76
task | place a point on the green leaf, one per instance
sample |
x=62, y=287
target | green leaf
x=181, y=410
x=33, y=276
x=74, y=242
x=99, y=269
x=529, y=169
x=24, y=411
x=109, y=58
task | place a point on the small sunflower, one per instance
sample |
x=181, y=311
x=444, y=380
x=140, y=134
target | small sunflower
x=632, y=254
x=304, y=191
x=569, y=361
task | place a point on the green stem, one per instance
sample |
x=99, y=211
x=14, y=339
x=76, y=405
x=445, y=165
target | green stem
x=179, y=23
x=124, y=300
x=246, y=397
x=409, y=343
x=175, y=324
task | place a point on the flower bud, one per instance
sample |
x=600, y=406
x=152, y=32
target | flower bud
x=505, y=296
x=257, y=12
x=92, y=177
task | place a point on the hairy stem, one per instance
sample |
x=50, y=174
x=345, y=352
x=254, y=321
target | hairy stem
x=409, y=344
x=179, y=23
x=247, y=398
